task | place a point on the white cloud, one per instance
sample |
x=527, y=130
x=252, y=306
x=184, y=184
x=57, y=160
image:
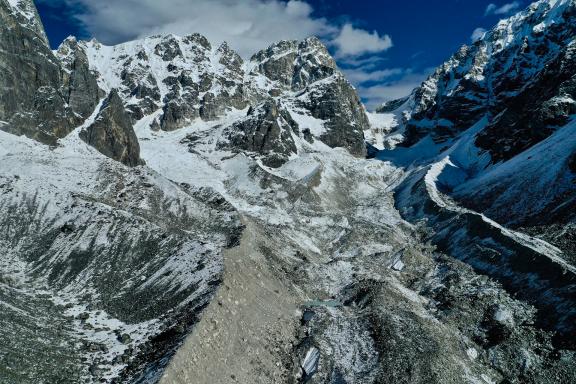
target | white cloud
x=247, y=25
x=477, y=34
x=356, y=42
x=362, y=75
x=493, y=9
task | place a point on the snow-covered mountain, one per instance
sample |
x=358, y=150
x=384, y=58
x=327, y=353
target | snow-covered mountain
x=172, y=213
x=514, y=91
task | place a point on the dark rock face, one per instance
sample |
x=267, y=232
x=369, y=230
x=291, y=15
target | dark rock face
x=79, y=83
x=31, y=100
x=337, y=103
x=543, y=106
x=267, y=130
x=516, y=75
x=324, y=93
x=112, y=133
x=294, y=64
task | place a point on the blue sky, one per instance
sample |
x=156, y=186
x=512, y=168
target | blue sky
x=386, y=47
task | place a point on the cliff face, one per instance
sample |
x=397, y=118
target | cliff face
x=31, y=98
x=112, y=134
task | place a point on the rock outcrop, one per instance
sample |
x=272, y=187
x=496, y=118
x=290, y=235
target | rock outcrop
x=294, y=65
x=336, y=102
x=112, y=133
x=267, y=130
x=31, y=99
x=79, y=84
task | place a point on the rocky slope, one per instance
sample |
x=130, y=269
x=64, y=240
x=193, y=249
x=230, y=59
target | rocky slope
x=493, y=129
x=198, y=217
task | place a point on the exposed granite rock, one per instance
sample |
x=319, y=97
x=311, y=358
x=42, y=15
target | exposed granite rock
x=80, y=86
x=537, y=111
x=336, y=102
x=112, y=133
x=211, y=95
x=26, y=14
x=293, y=64
x=514, y=74
x=31, y=101
x=323, y=93
x=266, y=130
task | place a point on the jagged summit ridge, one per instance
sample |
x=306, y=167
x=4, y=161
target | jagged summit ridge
x=293, y=64
x=173, y=81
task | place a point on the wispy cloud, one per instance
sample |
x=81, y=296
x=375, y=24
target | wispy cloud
x=247, y=25
x=352, y=42
x=477, y=34
x=505, y=9
x=369, y=62
x=362, y=75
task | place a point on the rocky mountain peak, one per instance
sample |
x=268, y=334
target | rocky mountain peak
x=32, y=101
x=293, y=64
x=25, y=12
x=484, y=78
x=197, y=39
